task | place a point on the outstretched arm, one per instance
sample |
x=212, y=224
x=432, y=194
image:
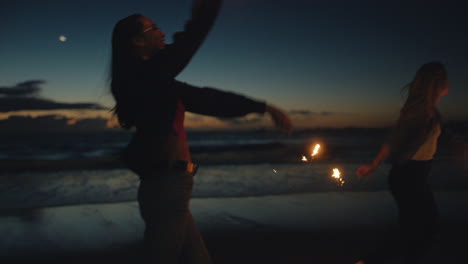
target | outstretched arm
x=280, y=119
x=214, y=102
x=383, y=154
x=400, y=143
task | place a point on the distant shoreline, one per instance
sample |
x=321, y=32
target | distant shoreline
x=459, y=125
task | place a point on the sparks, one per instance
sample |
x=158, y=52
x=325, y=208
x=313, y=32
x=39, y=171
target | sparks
x=337, y=175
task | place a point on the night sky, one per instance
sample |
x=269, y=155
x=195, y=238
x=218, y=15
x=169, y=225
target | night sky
x=328, y=63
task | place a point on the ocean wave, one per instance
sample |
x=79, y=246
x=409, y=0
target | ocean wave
x=30, y=190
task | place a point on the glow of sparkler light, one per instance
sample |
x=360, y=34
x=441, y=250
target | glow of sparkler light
x=304, y=159
x=274, y=170
x=316, y=150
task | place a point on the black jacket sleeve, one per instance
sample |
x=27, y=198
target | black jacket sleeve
x=213, y=102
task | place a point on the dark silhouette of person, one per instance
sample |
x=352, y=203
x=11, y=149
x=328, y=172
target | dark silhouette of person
x=150, y=99
x=410, y=148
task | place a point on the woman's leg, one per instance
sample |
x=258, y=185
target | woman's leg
x=164, y=206
x=194, y=249
x=416, y=206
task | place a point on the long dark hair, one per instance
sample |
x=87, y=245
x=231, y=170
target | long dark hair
x=123, y=62
x=424, y=91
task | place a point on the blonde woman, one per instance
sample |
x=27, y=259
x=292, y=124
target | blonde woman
x=410, y=148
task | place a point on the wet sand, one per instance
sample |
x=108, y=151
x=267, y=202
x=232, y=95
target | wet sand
x=332, y=227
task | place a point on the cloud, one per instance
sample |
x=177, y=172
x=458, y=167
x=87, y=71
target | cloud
x=252, y=120
x=299, y=118
x=311, y=113
x=52, y=123
x=301, y=112
x=8, y=104
x=325, y=113
x=243, y=120
x=23, y=96
x=28, y=88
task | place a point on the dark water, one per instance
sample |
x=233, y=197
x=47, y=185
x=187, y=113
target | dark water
x=56, y=145
x=216, y=147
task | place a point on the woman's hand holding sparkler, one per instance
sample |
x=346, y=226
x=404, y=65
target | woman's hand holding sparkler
x=366, y=170
x=281, y=120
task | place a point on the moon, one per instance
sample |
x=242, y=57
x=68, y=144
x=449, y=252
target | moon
x=62, y=38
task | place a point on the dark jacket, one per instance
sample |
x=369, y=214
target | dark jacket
x=157, y=92
x=157, y=96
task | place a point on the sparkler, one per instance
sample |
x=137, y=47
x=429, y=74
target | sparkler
x=336, y=172
x=337, y=175
x=316, y=150
x=314, y=153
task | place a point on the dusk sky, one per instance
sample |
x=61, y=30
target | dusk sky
x=328, y=63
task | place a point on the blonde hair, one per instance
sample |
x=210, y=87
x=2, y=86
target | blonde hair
x=424, y=91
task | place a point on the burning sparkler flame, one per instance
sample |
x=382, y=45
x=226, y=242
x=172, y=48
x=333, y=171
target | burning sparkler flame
x=316, y=150
x=336, y=173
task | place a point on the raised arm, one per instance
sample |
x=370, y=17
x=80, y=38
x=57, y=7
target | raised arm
x=170, y=61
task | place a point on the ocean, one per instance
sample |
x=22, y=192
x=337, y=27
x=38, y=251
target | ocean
x=232, y=164
x=67, y=145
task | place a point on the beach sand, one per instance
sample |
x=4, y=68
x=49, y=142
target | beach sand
x=329, y=227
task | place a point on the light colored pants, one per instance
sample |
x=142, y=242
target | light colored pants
x=171, y=235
